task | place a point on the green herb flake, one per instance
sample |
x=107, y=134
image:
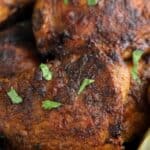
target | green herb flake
x=66, y=2
x=137, y=54
x=47, y=74
x=84, y=84
x=13, y=95
x=92, y=2
x=48, y=104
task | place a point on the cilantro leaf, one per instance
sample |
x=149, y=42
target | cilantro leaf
x=92, y=2
x=66, y=2
x=47, y=74
x=48, y=104
x=137, y=54
x=13, y=95
x=84, y=84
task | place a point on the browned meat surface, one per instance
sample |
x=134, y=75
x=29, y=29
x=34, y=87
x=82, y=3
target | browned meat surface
x=104, y=116
x=92, y=120
x=119, y=25
x=10, y=9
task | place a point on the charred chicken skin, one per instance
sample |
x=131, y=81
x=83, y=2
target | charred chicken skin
x=119, y=25
x=90, y=120
x=97, y=119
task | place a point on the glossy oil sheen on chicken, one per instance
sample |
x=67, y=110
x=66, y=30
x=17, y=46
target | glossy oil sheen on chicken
x=118, y=25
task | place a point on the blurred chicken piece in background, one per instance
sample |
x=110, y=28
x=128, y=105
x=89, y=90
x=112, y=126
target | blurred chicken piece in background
x=121, y=25
x=17, y=50
x=12, y=10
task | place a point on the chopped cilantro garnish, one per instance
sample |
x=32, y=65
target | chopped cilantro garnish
x=48, y=104
x=66, y=2
x=92, y=2
x=13, y=95
x=47, y=74
x=137, y=54
x=84, y=84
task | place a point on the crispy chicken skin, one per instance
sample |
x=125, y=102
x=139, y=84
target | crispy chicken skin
x=9, y=9
x=91, y=120
x=109, y=112
x=119, y=24
x=102, y=117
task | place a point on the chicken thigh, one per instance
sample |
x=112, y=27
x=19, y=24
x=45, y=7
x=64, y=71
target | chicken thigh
x=121, y=25
x=90, y=120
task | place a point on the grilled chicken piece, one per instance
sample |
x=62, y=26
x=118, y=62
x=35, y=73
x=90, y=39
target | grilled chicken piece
x=122, y=25
x=102, y=117
x=91, y=120
x=11, y=9
x=17, y=53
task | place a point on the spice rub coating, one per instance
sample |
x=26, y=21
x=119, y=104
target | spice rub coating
x=91, y=120
x=119, y=24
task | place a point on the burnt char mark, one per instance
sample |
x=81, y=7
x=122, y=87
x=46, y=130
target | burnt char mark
x=6, y=54
x=115, y=130
x=66, y=95
x=40, y=88
x=88, y=66
x=108, y=91
x=113, y=55
x=132, y=19
x=37, y=87
x=56, y=47
x=147, y=58
x=7, y=57
x=101, y=97
x=83, y=133
x=93, y=66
